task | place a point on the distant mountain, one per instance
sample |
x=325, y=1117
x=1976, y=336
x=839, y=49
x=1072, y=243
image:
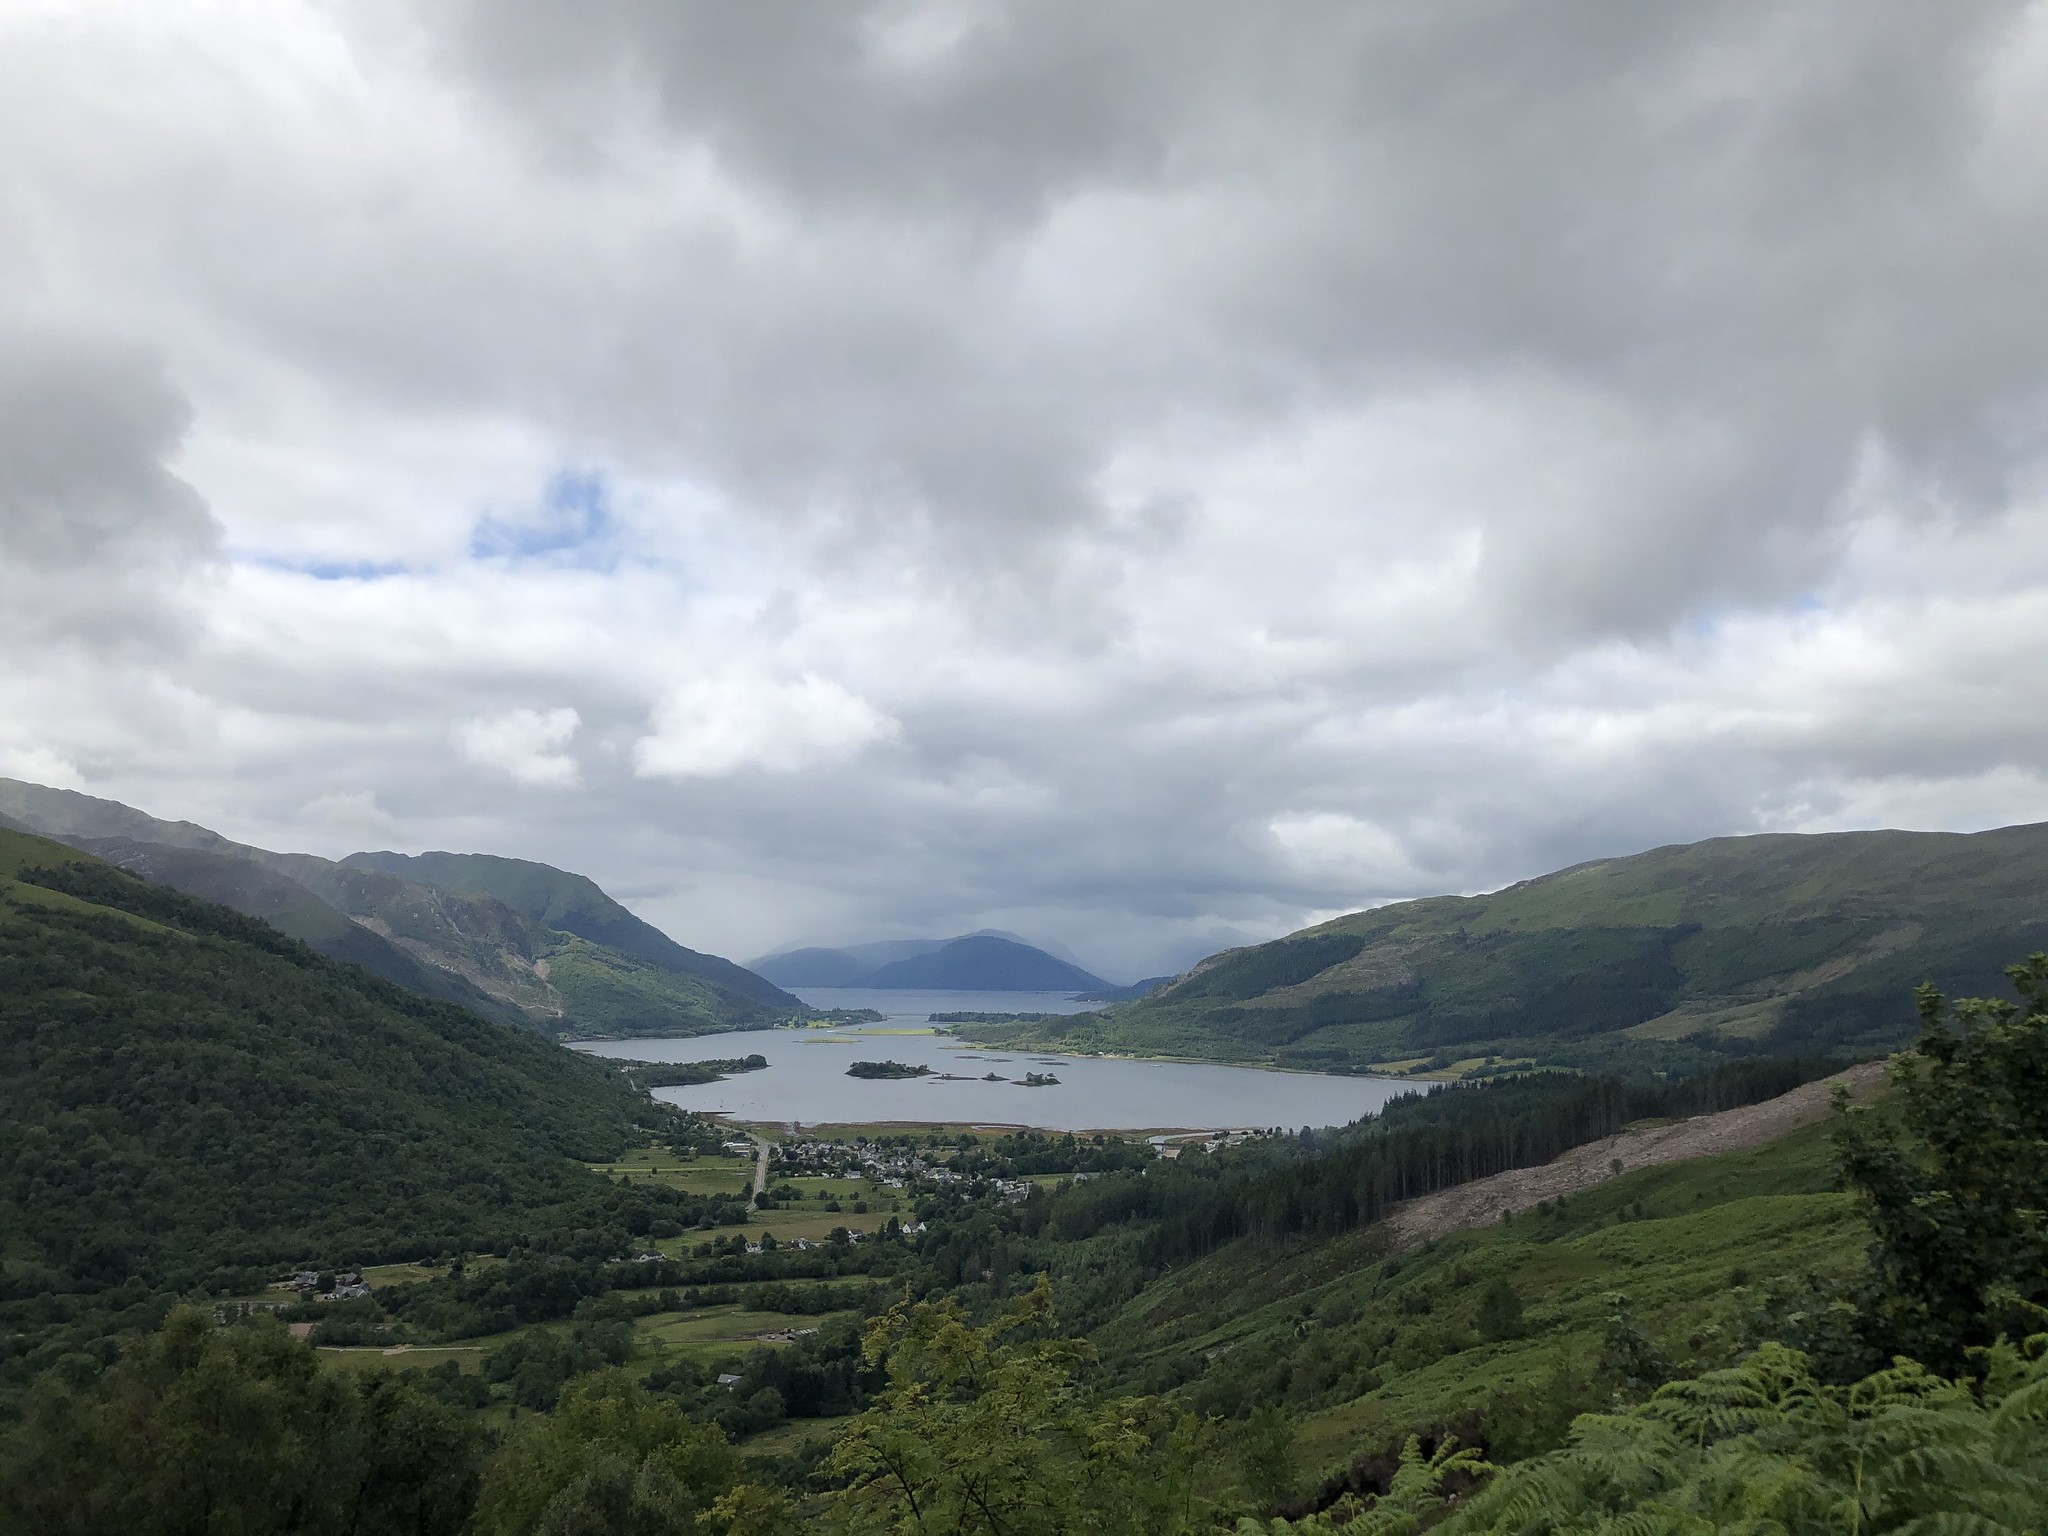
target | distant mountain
x=814, y=968
x=1776, y=945
x=553, y=951
x=976, y=962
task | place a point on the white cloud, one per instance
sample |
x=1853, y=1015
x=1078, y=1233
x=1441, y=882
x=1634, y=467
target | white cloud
x=713, y=727
x=525, y=743
x=1345, y=851
x=39, y=765
x=1132, y=474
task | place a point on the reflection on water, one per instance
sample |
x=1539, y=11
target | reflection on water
x=806, y=1082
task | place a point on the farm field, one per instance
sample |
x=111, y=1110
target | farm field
x=705, y=1333
x=702, y=1175
x=402, y=1357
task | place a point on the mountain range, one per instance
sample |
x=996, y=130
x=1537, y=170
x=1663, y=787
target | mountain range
x=988, y=961
x=520, y=942
x=1773, y=944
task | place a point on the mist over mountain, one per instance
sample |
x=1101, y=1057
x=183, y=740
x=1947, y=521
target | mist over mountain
x=984, y=962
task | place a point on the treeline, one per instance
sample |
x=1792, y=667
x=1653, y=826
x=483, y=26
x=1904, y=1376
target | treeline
x=1028, y=1152
x=690, y=1074
x=506, y=1296
x=1420, y=1143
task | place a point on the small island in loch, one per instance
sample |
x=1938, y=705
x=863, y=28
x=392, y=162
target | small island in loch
x=689, y=1074
x=1040, y=1080
x=886, y=1069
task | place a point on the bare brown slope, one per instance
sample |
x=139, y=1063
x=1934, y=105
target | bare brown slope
x=1481, y=1202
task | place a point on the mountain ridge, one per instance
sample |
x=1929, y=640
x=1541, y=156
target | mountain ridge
x=1777, y=942
x=463, y=945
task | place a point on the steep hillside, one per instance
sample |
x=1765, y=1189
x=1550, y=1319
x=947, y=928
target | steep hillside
x=1364, y=1344
x=538, y=966
x=1785, y=944
x=975, y=962
x=191, y=1097
x=260, y=892
x=569, y=903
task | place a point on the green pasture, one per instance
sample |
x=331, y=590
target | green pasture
x=706, y=1333
x=787, y=1437
x=703, y=1174
x=404, y=1357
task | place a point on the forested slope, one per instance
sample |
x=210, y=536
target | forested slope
x=1745, y=945
x=189, y=1097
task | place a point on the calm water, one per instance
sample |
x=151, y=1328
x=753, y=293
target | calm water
x=806, y=1080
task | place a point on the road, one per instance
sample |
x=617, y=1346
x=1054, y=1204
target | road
x=760, y=1162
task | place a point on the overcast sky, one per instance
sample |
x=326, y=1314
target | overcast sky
x=1137, y=474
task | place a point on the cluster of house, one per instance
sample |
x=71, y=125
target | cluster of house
x=860, y=1160
x=347, y=1287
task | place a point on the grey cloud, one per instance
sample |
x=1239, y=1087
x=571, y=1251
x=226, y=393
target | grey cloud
x=1185, y=419
x=1748, y=240
x=97, y=535
x=85, y=428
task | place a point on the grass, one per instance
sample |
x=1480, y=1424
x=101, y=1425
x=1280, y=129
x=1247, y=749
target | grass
x=468, y=1358
x=709, y=1333
x=701, y=1175
x=784, y=1438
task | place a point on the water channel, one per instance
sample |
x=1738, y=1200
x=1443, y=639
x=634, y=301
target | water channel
x=806, y=1083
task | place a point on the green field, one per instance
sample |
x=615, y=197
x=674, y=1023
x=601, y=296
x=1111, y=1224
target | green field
x=703, y=1174
x=708, y=1333
x=467, y=1357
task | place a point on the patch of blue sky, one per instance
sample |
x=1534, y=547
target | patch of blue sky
x=1709, y=621
x=572, y=525
x=323, y=570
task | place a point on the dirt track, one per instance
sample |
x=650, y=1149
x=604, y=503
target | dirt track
x=1481, y=1202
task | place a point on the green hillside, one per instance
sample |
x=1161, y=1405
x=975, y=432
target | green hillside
x=258, y=891
x=1772, y=944
x=1363, y=1345
x=543, y=955
x=573, y=904
x=191, y=1099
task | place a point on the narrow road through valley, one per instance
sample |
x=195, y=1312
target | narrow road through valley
x=760, y=1162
